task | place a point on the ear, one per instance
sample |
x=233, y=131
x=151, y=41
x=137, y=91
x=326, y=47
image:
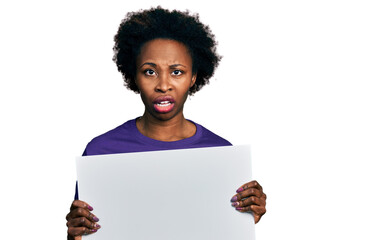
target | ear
x=193, y=81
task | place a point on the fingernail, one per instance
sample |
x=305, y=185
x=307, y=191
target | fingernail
x=238, y=208
x=234, y=198
x=93, y=230
x=235, y=204
x=95, y=219
x=97, y=226
x=90, y=207
x=239, y=190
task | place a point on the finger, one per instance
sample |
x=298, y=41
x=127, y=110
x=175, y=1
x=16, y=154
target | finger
x=79, y=231
x=80, y=204
x=249, y=201
x=263, y=196
x=82, y=222
x=252, y=184
x=256, y=210
x=80, y=212
x=247, y=193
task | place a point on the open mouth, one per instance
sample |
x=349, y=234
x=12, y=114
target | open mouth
x=164, y=104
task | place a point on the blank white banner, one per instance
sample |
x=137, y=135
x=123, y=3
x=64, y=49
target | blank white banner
x=169, y=195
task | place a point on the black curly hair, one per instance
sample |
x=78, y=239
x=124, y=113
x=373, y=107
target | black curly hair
x=140, y=27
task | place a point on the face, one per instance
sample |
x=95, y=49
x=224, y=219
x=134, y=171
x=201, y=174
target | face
x=164, y=77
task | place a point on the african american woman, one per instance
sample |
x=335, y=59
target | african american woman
x=164, y=56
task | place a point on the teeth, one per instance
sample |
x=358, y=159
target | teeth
x=164, y=103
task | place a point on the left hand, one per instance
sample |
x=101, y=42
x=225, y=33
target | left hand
x=250, y=198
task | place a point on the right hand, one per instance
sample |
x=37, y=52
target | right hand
x=80, y=220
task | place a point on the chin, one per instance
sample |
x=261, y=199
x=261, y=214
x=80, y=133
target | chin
x=165, y=116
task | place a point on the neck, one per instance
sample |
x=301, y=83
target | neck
x=174, y=129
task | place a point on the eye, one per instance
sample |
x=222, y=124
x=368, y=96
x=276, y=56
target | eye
x=149, y=72
x=177, y=72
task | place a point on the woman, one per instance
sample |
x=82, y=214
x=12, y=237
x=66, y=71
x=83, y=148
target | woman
x=165, y=56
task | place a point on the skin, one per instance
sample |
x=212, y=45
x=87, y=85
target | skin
x=164, y=68
x=80, y=220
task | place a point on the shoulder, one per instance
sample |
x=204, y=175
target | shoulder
x=109, y=142
x=209, y=138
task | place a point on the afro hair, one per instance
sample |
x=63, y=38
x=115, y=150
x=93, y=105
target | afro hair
x=137, y=28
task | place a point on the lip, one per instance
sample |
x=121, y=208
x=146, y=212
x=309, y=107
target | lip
x=161, y=107
x=163, y=99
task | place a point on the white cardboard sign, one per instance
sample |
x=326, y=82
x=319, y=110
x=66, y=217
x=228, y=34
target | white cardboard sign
x=167, y=195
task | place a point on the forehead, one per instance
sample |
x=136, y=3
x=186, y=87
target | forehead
x=164, y=51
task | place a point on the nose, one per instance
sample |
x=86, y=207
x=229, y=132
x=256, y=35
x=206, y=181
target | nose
x=164, y=83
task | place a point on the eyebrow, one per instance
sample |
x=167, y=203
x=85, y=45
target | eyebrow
x=177, y=65
x=154, y=65
x=149, y=63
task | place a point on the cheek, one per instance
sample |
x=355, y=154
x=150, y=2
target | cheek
x=184, y=95
x=144, y=87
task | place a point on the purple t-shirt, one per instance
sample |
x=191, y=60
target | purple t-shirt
x=126, y=138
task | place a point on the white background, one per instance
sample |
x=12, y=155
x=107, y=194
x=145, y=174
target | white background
x=297, y=82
